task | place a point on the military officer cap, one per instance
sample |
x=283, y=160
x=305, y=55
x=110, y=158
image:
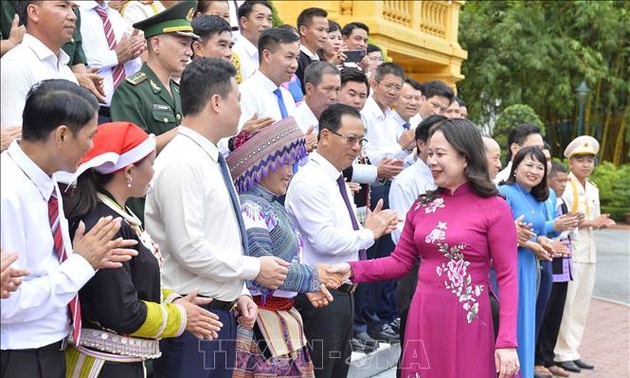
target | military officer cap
x=175, y=19
x=582, y=145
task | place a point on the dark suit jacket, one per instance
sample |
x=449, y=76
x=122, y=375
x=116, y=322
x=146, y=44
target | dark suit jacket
x=303, y=62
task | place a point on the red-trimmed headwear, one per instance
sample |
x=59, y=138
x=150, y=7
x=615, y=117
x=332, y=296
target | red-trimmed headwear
x=116, y=145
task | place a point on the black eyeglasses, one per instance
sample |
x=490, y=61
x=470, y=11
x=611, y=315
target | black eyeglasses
x=351, y=139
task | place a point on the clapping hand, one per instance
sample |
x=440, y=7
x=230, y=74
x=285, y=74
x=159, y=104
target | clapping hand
x=381, y=222
x=255, y=124
x=320, y=298
x=560, y=248
x=523, y=230
x=311, y=139
x=10, y=278
x=97, y=246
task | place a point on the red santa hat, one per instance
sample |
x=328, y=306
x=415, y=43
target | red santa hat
x=116, y=145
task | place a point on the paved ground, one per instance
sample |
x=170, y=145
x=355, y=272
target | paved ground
x=606, y=340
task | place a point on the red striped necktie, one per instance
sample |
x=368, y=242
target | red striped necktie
x=118, y=72
x=74, y=305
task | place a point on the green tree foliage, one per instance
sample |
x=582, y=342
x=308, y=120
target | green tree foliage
x=511, y=117
x=537, y=53
x=614, y=188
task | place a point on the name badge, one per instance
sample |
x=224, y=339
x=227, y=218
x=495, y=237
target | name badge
x=161, y=107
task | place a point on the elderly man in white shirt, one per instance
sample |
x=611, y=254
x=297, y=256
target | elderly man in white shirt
x=49, y=24
x=59, y=122
x=318, y=202
x=109, y=44
x=192, y=212
x=254, y=17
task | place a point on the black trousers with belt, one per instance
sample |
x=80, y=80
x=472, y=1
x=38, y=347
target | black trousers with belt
x=328, y=331
x=45, y=362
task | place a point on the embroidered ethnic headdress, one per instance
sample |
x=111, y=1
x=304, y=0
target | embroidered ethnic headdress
x=254, y=155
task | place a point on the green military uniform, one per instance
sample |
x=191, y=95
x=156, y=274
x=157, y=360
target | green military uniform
x=142, y=98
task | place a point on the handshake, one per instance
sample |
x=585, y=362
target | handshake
x=330, y=277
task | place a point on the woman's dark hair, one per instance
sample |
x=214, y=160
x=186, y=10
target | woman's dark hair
x=541, y=191
x=466, y=139
x=82, y=200
x=52, y=103
x=333, y=26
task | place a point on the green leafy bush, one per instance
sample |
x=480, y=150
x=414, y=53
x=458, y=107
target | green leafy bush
x=511, y=117
x=614, y=189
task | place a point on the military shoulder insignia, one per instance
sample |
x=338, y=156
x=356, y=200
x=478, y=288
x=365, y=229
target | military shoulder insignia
x=137, y=78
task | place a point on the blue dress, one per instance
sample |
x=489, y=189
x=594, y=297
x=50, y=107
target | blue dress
x=523, y=203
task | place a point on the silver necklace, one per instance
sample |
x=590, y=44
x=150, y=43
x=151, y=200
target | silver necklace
x=531, y=209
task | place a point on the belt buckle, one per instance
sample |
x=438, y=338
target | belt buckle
x=234, y=304
x=64, y=344
x=354, y=288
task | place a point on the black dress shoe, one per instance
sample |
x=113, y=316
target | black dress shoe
x=569, y=366
x=386, y=334
x=362, y=342
x=583, y=365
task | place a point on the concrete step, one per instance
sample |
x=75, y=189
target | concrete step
x=368, y=365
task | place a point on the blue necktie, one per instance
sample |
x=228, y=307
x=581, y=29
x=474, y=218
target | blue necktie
x=283, y=109
x=406, y=125
x=341, y=183
x=234, y=199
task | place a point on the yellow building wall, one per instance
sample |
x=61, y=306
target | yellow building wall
x=421, y=36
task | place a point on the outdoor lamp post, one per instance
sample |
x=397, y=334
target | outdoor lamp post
x=582, y=92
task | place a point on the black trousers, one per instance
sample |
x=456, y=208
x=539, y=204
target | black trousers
x=551, y=324
x=328, y=331
x=44, y=362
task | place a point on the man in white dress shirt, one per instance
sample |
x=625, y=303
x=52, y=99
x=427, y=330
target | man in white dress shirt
x=129, y=45
x=318, y=202
x=59, y=123
x=520, y=136
x=322, y=83
x=49, y=25
x=193, y=213
x=262, y=93
x=262, y=96
x=254, y=17
x=436, y=97
x=387, y=138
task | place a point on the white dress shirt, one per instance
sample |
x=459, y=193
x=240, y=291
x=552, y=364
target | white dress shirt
x=313, y=56
x=315, y=205
x=382, y=132
x=415, y=120
x=504, y=174
x=24, y=66
x=96, y=47
x=257, y=97
x=305, y=118
x=585, y=200
x=37, y=313
x=136, y=11
x=406, y=187
x=190, y=215
x=248, y=54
